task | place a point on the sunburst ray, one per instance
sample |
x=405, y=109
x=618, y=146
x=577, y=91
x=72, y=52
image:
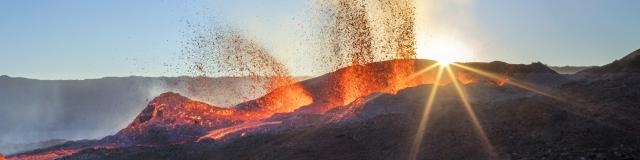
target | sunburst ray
x=474, y=119
x=422, y=126
x=575, y=104
x=510, y=81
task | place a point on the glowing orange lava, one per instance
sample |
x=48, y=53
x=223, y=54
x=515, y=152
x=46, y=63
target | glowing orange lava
x=219, y=134
x=45, y=156
x=284, y=99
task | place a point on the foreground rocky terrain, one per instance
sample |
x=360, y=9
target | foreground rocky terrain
x=523, y=126
x=530, y=113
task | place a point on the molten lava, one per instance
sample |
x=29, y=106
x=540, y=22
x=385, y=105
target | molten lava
x=46, y=156
x=219, y=134
x=285, y=99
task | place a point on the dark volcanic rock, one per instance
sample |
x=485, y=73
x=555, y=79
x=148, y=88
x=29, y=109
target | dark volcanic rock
x=520, y=125
x=574, y=121
x=628, y=64
x=512, y=69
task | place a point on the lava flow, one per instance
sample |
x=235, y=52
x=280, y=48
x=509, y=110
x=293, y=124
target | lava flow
x=221, y=133
x=46, y=156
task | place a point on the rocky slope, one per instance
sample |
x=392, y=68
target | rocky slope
x=627, y=64
x=519, y=126
x=371, y=112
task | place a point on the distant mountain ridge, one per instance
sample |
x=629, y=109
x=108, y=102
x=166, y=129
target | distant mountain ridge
x=570, y=69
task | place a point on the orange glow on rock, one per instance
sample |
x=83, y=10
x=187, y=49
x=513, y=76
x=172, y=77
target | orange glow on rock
x=284, y=99
x=348, y=84
x=219, y=134
x=464, y=78
x=46, y=156
x=501, y=82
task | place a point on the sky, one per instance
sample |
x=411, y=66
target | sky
x=77, y=39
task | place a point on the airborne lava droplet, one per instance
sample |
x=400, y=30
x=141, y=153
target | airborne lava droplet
x=358, y=34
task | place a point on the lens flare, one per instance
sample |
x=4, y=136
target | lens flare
x=472, y=114
x=415, y=148
x=502, y=80
x=574, y=106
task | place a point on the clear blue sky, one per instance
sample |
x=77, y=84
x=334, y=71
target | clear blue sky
x=77, y=39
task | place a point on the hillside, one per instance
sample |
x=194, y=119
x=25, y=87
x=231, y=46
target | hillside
x=627, y=64
x=172, y=119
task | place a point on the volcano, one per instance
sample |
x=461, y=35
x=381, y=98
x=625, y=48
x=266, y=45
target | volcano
x=370, y=111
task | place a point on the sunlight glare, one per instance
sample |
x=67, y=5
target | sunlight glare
x=445, y=50
x=472, y=114
x=510, y=81
x=422, y=126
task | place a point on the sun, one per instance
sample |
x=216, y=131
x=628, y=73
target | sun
x=445, y=61
x=445, y=50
